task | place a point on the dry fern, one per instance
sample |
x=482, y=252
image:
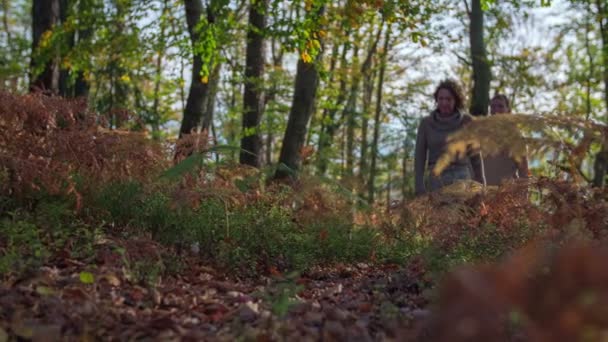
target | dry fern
x=520, y=135
x=47, y=143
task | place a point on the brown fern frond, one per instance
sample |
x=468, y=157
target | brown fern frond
x=519, y=136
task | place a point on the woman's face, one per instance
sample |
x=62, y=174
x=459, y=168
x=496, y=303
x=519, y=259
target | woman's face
x=445, y=101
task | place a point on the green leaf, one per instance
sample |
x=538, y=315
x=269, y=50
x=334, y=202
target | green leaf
x=44, y=291
x=226, y=149
x=242, y=185
x=87, y=277
x=187, y=165
x=485, y=4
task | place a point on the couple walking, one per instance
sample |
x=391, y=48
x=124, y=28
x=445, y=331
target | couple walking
x=431, y=143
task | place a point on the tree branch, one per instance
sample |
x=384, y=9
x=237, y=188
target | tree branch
x=466, y=6
x=463, y=59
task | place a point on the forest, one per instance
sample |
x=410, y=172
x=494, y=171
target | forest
x=252, y=170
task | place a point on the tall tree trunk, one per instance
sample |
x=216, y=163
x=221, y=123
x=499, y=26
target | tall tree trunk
x=277, y=62
x=480, y=97
x=368, y=92
x=302, y=107
x=350, y=115
x=377, y=118
x=329, y=124
x=120, y=88
x=368, y=72
x=199, y=90
x=209, y=106
x=350, y=110
x=601, y=159
x=269, y=140
x=9, y=39
x=64, y=87
x=235, y=89
x=588, y=84
x=5, y=16
x=305, y=92
x=84, y=34
x=160, y=55
x=404, y=172
x=45, y=15
x=388, y=190
x=253, y=101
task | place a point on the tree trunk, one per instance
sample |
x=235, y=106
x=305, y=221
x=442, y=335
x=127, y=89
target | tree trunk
x=253, y=101
x=404, y=172
x=305, y=92
x=9, y=83
x=480, y=97
x=601, y=159
x=388, y=190
x=269, y=140
x=368, y=92
x=368, y=72
x=199, y=90
x=350, y=110
x=120, y=88
x=588, y=84
x=209, y=106
x=45, y=15
x=350, y=114
x=329, y=124
x=64, y=87
x=81, y=85
x=377, y=117
x=160, y=55
x=302, y=106
x=5, y=16
x=277, y=62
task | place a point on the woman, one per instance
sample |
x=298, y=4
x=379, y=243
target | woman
x=503, y=167
x=431, y=141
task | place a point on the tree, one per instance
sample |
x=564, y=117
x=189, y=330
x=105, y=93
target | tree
x=302, y=106
x=15, y=45
x=45, y=15
x=84, y=33
x=253, y=100
x=199, y=87
x=329, y=123
x=377, y=116
x=63, y=86
x=480, y=95
x=601, y=160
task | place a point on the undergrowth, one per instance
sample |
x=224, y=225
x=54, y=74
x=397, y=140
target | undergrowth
x=67, y=182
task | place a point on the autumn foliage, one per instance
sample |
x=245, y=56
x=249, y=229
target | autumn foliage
x=523, y=261
x=48, y=144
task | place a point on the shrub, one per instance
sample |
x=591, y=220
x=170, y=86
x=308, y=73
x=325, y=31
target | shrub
x=47, y=144
x=541, y=293
x=21, y=246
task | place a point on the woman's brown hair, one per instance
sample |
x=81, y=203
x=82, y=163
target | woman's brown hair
x=454, y=88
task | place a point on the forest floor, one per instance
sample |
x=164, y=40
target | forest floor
x=93, y=299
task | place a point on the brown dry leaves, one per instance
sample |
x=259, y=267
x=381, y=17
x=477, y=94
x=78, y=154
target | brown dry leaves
x=47, y=142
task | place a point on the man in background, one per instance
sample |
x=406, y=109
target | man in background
x=502, y=167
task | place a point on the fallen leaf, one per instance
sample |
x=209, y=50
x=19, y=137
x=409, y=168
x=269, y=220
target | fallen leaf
x=249, y=312
x=74, y=294
x=162, y=323
x=87, y=277
x=21, y=329
x=46, y=332
x=45, y=291
x=3, y=335
x=111, y=279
